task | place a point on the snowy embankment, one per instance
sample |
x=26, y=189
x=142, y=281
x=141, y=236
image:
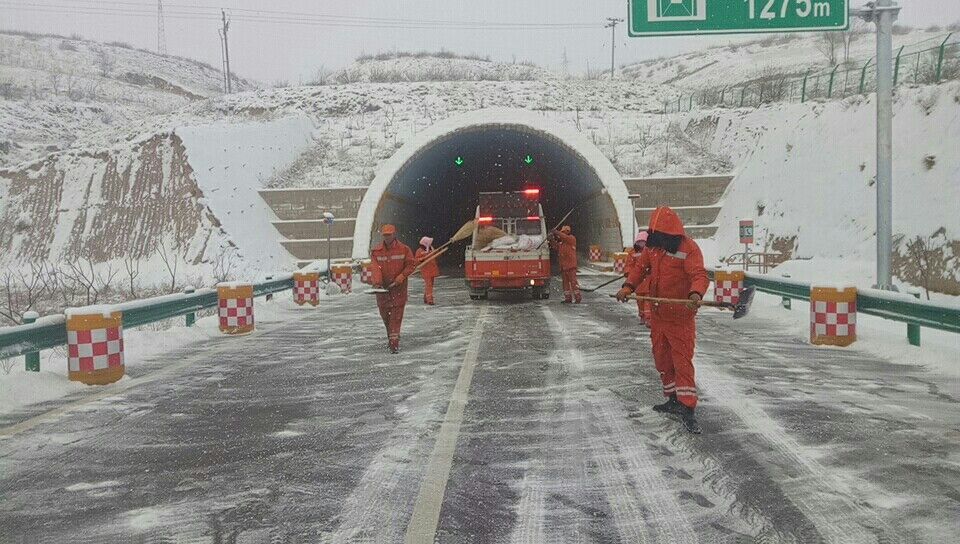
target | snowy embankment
x=231, y=162
x=806, y=173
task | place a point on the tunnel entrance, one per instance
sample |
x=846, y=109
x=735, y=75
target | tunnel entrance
x=433, y=188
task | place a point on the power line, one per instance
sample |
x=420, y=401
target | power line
x=134, y=9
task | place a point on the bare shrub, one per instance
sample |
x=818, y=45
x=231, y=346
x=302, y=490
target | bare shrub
x=928, y=259
x=223, y=265
x=171, y=262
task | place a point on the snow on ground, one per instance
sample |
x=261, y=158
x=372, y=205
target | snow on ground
x=20, y=389
x=939, y=351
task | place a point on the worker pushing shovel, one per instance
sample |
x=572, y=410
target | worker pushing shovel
x=671, y=268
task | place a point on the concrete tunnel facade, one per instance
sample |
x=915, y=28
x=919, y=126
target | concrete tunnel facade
x=424, y=190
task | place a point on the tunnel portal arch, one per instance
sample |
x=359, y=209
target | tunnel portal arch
x=403, y=180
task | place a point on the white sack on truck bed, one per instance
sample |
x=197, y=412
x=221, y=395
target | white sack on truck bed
x=524, y=242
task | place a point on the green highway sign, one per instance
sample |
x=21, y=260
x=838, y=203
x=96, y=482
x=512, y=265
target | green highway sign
x=679, y=17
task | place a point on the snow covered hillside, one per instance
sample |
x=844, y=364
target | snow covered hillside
x=55, y=89
x=337, y=134
x=775, y=55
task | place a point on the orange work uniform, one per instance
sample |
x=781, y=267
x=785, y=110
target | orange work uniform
x=386, y=263
x=644, y=307
x=430, y=271
x=566, y=246
x=673, y=327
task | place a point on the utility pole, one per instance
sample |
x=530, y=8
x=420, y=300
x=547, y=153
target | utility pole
x=223, y=62
x=161, y=35
x=226, y=49
x=883, y=13
x=612, y=23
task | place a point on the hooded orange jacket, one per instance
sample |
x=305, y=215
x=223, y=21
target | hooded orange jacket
x=670, y=275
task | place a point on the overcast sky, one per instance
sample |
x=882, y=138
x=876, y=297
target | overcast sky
x=331, y=33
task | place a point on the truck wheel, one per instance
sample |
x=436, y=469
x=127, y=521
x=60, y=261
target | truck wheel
x=474, y=297
x=545, y=295
x=536, y=293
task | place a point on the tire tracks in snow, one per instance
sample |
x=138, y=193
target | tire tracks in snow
x=642, y=501
x=810, y=486
x=378, y=509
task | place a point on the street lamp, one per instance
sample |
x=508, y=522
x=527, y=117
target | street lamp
x=328, y=220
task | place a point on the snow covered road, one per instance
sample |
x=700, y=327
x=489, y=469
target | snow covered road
x=501, y=421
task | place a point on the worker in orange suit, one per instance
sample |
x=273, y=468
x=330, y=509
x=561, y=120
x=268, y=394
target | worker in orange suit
x=644, y=307
x=430, y=271
x=391, y=263
x=672, y=266
x=566, y=246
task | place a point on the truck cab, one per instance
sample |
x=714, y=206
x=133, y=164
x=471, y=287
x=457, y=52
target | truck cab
x=508, y=251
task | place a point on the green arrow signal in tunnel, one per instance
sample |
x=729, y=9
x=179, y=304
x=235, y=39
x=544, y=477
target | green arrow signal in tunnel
x=528, y=159
x=458, y=161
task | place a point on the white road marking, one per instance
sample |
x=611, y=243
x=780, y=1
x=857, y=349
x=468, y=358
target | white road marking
x=426, y=511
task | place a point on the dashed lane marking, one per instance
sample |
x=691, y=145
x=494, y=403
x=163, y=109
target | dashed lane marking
x=426, y=511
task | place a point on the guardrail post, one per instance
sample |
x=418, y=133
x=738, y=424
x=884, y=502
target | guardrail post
x=803, y=89
x=723, y=93
x=833, y=74
x=269, y=295
x=896, y=66
x=191, y=317
x=913, y=330
x=943, y=46
x=32, y=359
x=690, y=104
x=743, y=94
x=679, y=102
x=863, y=76
x=916, y=68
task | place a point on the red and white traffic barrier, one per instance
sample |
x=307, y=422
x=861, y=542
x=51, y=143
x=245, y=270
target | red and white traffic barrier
x=833, y=315
x=366, y=273
x=306, y=288
x=596, y=254
x=620, y=262
x=235, y=307
x=342, y=276
x=94, y=345
x=727, y=285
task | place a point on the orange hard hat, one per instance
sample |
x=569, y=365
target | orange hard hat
x=388, y=229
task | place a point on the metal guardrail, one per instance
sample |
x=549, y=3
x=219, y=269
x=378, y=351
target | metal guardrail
x=50, y=331
x=888, y=305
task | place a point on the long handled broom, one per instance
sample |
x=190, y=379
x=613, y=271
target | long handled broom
x=463, y=233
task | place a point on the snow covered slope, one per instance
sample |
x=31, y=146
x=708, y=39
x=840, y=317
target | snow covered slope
x=806, y=174
x=56, y=89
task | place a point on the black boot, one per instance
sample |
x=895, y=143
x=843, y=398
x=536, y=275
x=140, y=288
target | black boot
x=671, y=406
x=689, y=420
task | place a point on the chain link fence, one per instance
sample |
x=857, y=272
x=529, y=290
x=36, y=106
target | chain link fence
x=912, y=65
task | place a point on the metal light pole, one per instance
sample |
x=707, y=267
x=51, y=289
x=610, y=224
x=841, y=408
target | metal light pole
x=883, y=13
x=633, y=216
x=328, y=220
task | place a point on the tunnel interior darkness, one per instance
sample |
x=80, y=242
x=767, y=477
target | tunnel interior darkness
x=437, y=190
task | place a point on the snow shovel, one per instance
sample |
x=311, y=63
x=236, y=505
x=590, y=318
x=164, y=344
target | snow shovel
x=604, y=284
x=740, y=309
